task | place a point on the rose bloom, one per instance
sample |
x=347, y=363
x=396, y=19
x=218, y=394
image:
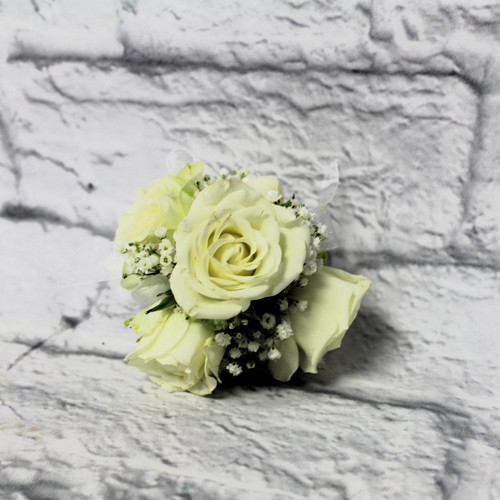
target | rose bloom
x=333, y=298
x=235, y=246
x=177, y=354
x=164, y=203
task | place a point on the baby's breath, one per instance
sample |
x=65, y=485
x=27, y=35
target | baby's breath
x=274, y=353
x=235, y=353
x=283, y=303
x=268, y=321
x=153, y=257
x=253, y=346
x=302, y=305
x=284, y=330
x=160, y=232
x=223, y=339
x=234, y=369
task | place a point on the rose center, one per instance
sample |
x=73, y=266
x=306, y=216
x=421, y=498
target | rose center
x=234, y=253
x=239, y=251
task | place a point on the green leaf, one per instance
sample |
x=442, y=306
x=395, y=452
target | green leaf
x=323, y=256
x=165, y=303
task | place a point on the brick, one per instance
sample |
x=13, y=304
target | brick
x=241, y=444
x=403, y=143
x=50, y=277
x=479, y=239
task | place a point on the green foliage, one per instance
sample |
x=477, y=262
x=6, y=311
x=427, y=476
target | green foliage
x=165, y=303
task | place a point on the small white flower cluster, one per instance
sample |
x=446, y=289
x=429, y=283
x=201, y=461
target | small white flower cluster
x=314, y=260
x=314, y=257
x=152, y=257
x=234, y=369
x=167, y=256
x=284, y=330
x=249, y=339
x=141, y=258
x=298, y=305
x=223, y=339
x=268, y=321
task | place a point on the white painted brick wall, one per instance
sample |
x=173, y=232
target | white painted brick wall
x=93, y=94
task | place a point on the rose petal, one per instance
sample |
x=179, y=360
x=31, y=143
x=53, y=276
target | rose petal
x=334, y=297
x=283, y=368
x=265, y=184
x=172, y=352
x=294, y=239
x=200, y=306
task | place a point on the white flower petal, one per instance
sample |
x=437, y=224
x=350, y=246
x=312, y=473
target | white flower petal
x=176, y=354
x=201, y=306
x=265, y=184
x=333, y=298
x=283, y=368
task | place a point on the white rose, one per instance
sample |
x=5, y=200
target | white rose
x=176, y=354
x=235, y=246
x=333, y=297
x=164, y=203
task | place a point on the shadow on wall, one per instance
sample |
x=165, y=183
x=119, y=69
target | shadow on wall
x=369, y=342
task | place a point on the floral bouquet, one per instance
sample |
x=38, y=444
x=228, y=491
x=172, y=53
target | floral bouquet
x=232, y=276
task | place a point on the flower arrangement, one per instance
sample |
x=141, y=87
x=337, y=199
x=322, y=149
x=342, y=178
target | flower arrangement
x=233, y=279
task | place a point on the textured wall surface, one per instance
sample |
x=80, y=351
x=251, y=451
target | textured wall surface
x=94, y=93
